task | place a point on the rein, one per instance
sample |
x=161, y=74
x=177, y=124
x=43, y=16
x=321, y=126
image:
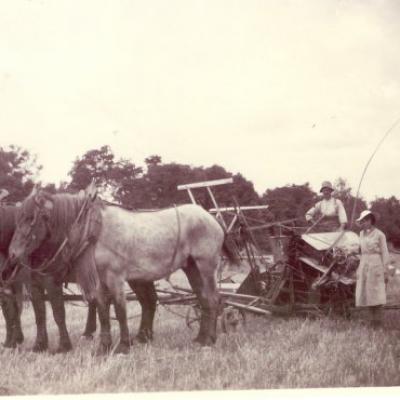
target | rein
x=178, y=238
x=5, y=282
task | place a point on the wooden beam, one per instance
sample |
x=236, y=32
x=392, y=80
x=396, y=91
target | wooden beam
x=191, y=196
x=196, y=185
x=253, y=309
x=242, y=208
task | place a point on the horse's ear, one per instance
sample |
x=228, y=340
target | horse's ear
x=36, y=189
x=91, y=190
x=44, y=202
x=33, y=192
x=48, y=204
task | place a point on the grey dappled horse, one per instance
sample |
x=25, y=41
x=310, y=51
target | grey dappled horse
x=132, y=246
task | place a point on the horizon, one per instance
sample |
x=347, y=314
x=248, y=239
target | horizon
x=259, y=191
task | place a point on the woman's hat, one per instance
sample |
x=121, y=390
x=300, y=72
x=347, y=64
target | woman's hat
x=364, y=214
x=3, y=193
x=326, y=185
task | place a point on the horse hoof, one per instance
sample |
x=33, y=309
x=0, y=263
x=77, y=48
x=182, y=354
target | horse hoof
x=40, y=347
x=87, y=336
x=122, y=349
x=205, y=341
x=103, y=350
x=64, y=349
x=9, y=345
x=144, y=337
x=20, y=339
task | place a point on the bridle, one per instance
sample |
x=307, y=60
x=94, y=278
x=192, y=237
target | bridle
x=40, y=213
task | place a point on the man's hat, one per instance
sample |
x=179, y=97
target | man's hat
x=326, y=185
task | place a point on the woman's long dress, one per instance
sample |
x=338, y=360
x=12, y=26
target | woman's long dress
x=370, y=286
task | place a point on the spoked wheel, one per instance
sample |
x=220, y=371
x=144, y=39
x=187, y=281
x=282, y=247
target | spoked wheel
x=193, y=316
x=232, y=319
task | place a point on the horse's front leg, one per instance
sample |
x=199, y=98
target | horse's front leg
x=11, y=314
x=55, y=293
x=39, y=309
x=147, y=297
x=6, y=308
x=103, y=308
x=18, y=304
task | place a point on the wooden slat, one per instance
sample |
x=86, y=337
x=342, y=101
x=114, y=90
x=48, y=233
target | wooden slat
x=253, y=309
x=205, y=184
x=242, y=208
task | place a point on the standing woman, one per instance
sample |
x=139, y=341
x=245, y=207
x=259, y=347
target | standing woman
x=373, y=269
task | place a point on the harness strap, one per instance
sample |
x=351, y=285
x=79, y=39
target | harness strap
x=178, y=238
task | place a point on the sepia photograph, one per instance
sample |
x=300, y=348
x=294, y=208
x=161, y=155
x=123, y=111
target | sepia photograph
x=200, y=198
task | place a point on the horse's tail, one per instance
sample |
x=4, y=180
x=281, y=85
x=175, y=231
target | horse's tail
x=230, y=251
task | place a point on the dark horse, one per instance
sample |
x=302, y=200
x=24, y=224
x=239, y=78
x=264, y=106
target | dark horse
x=131, y=246
x=11, y=296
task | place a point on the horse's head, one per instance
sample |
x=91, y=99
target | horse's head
x=32, y=227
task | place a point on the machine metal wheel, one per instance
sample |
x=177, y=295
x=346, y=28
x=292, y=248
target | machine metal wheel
x=232, y=319
x=193, y=316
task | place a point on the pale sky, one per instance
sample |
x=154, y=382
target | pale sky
x=281, y=91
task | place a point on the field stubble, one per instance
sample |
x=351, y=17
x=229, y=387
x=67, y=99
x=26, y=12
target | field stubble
x=267, y=353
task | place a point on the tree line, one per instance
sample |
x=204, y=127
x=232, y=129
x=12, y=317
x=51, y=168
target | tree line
x=154, y=185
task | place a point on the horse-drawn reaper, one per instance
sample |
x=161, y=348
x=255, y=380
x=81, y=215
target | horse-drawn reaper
x=103, y=245
x=309, y=273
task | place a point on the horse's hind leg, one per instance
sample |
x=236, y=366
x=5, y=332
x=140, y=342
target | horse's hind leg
x=204, y=286
x=116, y=287
x=124, y=342
x=147, y=297
x=90, y=327
x=56, y=299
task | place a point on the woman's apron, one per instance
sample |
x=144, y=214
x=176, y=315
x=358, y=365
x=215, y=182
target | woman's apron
x=370, y=286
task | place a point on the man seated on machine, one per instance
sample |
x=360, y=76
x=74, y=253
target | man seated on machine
x=328, y=215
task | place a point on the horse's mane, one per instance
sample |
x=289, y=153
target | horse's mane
x=137, y=210
x=65, y=210
x=7, y=225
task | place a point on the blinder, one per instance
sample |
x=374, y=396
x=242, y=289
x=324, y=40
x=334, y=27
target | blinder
x=40, y=213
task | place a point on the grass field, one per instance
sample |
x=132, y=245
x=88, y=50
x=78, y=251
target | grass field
x=267, y=353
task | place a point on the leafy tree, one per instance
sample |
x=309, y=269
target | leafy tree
x=290, y=201
x=101, y=166
x=157, y=187
x=344, y=193
x=388, y=211
x=153, y=160
x=18, y=170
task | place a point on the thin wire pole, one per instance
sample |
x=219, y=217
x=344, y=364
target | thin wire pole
x=366, y=167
